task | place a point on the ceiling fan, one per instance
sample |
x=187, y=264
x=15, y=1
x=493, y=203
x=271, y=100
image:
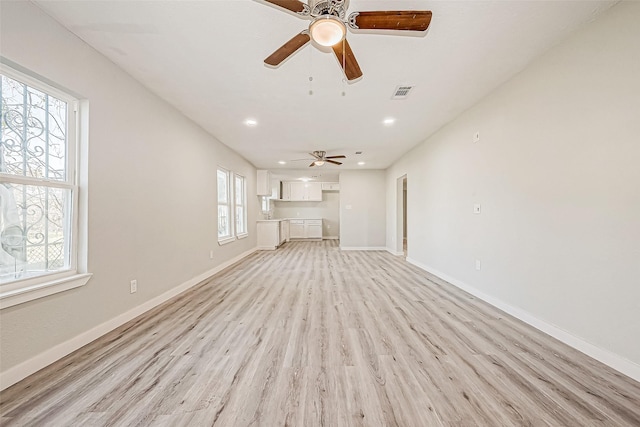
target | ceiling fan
x=328, y=28
x=321, y=158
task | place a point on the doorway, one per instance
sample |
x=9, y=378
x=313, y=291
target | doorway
x=404, y=216
x=401, y=215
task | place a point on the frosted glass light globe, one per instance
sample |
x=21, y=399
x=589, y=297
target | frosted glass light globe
x=327, y=30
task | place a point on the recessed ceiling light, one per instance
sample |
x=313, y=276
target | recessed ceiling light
x=282, y=162
x=304, y=179
x=251, y=122
x=361, y=163
x=389, y=121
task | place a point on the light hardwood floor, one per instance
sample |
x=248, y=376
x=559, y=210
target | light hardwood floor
x=309, y=335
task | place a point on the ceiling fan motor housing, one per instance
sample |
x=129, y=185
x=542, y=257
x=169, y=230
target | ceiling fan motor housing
x=329, y=7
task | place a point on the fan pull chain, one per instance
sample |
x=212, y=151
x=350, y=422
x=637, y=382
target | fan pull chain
x=310, y=72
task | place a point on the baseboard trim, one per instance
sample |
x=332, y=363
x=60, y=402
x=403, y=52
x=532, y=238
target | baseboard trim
x=396, y=253
x=363, y=248
x=33, y=365
x=330, y=237
x=610, y=359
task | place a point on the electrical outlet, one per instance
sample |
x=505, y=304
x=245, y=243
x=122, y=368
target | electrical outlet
x=134, y=286
x=476, y=136
x=478, y=265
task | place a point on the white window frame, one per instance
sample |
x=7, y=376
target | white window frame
x=243, y=205
x=265, y=207
x=22, y=290
x=229, y=203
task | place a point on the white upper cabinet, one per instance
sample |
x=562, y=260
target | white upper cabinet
x=285, y=194
x=298, y=191
x=263, y=187
x=275, y=189
x=302, y=191
x=330, y=186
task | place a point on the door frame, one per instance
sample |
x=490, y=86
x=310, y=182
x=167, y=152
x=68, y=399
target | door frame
x=400, y=214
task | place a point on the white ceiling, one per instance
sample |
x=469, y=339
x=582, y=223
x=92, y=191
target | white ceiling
x=205, y=58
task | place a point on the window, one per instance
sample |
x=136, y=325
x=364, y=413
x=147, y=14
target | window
x=264, y=204
x=240, y=206
x=224, y=205
x=38, y=187
x=232, y=203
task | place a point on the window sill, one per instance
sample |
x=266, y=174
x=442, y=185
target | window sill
x=242, y=236
x=42, y=289
x=226, y=240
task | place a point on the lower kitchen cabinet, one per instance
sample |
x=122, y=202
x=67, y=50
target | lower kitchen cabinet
x=272, y=233
x=305, y=229
x=296, y=228
x=313, y=228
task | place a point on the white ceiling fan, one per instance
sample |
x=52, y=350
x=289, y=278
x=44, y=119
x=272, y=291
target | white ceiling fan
x=329, y=24
x=320, y=158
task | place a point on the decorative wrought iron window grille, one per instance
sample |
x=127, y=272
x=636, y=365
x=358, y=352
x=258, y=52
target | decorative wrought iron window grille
x=38, y=191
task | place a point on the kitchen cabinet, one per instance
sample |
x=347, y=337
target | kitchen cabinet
x=284, y=231
x=305, y=229
x=275, y=189
x=272, y=233
x=313, y=228
x=263, y=185
x=297, y=191
x=296, y=229
x=330, y=186
x=285, y=190
x=302, y=191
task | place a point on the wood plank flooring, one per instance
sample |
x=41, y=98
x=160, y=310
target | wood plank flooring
x=309, y=335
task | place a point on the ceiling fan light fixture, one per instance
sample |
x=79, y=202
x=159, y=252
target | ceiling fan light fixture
x=319, y=162
x=327, y=30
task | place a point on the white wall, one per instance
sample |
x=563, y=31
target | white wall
x=557, y=174
x=152, y=190
x=328, y=209
x=362, y=209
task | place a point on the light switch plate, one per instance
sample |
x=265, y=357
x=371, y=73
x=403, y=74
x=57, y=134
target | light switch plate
x=477, y=208
x=476, y=136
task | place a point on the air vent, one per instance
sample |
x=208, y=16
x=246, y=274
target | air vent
x=402, y=92
x=358, y=152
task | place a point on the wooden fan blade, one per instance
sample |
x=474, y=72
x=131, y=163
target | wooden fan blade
x=408, y=20
x=312, y=164
x=350, y=65
x=331, y=161
x=336, y=157
x=314, y=155
x=288, y=49
x=292, y=5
